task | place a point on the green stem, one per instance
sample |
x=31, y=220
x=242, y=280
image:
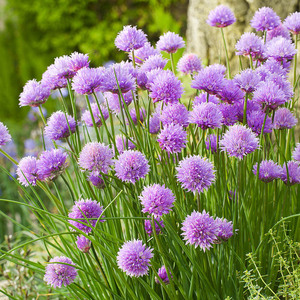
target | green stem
x=172, y=62
x=226, y=53
x=245, y=110
x=42, y=115
x=295, y=62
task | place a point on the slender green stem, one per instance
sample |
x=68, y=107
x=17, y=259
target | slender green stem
x=226, y=53
x=245, y=110
x=295, y=62
x=42, y=115
x=172, y=62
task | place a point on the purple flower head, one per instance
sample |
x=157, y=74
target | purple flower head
x=134, y=258
x=291, y=173
x=280, y=48
x=154, y=123
x=284, y=118
x=274, y=67
x=151, y=76
x=230, y=92
x=34, y=93
x=206, y=115
x=265, y=19
x=58, y=273
x=52, y=80
x=96, y=180
x=248, y=80
x=239, y=141
x=283, y=84
x=83, y=244
x=157, y=200
x=114, y=101
x=195, y=173
x=211, y=143
x=143, y=53
x=166, y=87
x=4, y=135
x=210, y=79
x=51, y=164
x=87, y=117
x=27, y=171
x=88, y=80
x=221, y=16
x=131, y=166
x=229, y=113
x=134, y=117
x=268, y=170
x=158, y=223
x=250, y=44
x=202, y=98
x=141, y=79
x=130, y=38
x=59, y=126
x=175, y=113
x=269, y=95
x=251, y=106
x=87, y=212
x=79, y=61
x=225, y=229
x=123, y=143
x=200, y=229
x=292, y=22
x=255, y=121
x=296, y=153
x=280, y=30
x=170, y=42
x=124, y=76
x=162, y=273
x=64, y=67
x=154, y=62
x=189, y=64
x=95, y=157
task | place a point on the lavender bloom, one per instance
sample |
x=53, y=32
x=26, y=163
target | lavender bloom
x=114, y=101
x=239, y=141
x=162, y=273
x=166, y=87
x=269, y=95
x=4, y=135
x=143, y=53
x=27, y=171
x=34, y=93
x=52, y=80
x=87, y=117
x=229, y=113
x=268, y=170
x=133, y=115
x=59, y=126
x=284, y=119
x=87, y=212
x=134, y=258
x=154, y=62
x=255, y=121
x=124, y=76
x=292, y=22
x=157, y=224
x=58, y=274
x=274, y=66
x=79, y=61
x=290, y=173
x=96, y=180
x=175, y=113
x=247, y=80
x=88, y=80
x=251, y=106
x=283, y=84
x=200, y=229
x=206, y=115
x=202, y=98
x=157, y=200
x=131, y=166
x=151, y=76
x=95, y=157
x=250, y=44
x=265, y=19
x=211, y=143
x=230, y=92
x=225, y=229
x=280, y=48
x=123, y=143
x=221, y=16
x=51, y=164
x=210, y=79
x=296, y=153
x=83, y=244
x=189, y=64
x=280, y=30
x=195, y=173
x=154, y=123
x=64, y=67
x=130, y=38
x=170, y=42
